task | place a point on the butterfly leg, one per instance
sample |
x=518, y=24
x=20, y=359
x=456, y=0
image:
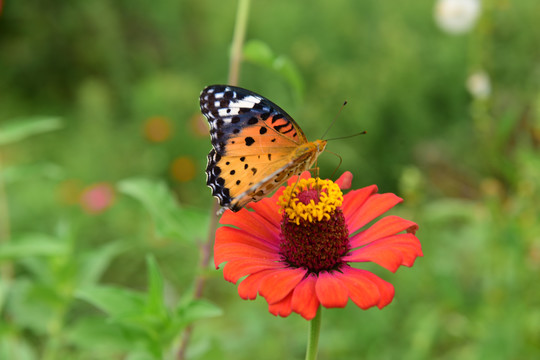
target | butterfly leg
x=292, y=191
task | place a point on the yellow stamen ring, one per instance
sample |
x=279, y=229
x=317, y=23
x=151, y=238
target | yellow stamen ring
x=329, y=195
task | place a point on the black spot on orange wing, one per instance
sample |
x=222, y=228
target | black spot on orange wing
x=249, y=141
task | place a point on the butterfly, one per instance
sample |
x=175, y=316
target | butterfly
x=256, y=146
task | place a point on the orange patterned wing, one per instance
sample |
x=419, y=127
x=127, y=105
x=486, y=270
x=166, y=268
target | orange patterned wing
x=256, y=145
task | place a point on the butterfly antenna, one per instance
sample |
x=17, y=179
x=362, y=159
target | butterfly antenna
x=348, y=136
x=334, y=121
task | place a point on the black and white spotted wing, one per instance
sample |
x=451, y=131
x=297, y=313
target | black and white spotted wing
x=256, y=145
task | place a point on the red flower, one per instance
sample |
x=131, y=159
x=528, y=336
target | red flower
x=298, y=258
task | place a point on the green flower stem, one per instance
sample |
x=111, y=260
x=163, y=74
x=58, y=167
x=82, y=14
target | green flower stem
x=313, y=336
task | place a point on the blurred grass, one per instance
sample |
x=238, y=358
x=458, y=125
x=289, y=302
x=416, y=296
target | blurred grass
x=468, y=168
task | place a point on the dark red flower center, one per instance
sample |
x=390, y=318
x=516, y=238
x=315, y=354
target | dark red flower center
x=317, y=245
x=307, y=195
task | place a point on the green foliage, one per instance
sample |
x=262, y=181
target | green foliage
x=144, y=318
x=171, y=220
x=20, y=129
x=80, y=82
x=259, y=53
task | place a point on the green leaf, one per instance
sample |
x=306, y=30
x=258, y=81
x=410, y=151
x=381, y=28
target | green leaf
x=284, y=66
x=4, y=290
x=11, y=344
x=17, y=173
x=32, y=245
x=94, y=264
x=142, y=355
x=190, y=311
x=258, y=52
x=196, y=310
x=33, y=305
x=19, y=129
x=155, y=302
x=106, y=339
x=102, y=336
x=114, y=301
x=170, y=219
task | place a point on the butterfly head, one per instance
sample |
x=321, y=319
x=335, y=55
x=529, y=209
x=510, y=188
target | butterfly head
x=320, y=145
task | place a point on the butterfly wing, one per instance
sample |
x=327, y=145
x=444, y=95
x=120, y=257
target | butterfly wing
x=247, y=188
x=253, y=144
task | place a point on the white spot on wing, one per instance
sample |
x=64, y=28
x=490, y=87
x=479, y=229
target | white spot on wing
x=223, y=112
x=246, y=102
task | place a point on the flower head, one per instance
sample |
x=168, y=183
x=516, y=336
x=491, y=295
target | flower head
x=158, y=129
x=97, y=198
x=296, y=248
x=479, y=85
x=457, y=16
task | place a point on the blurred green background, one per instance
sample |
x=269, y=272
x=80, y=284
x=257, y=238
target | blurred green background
x=99, y=125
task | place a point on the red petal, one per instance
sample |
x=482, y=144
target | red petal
x=249, y=287
x=233, y=244
x=345, y=180
x=231, y=236
x=253, y=223
x=268, y=209
x=227, y=252
x=280, y=283
x=385, y=288
x=353, y=200
x=390, y=252
x=366, y=289
x=283, y=307
x=387, y=226
x=304, y=298
x=331, y=291
x=376, y=205
x=237, y=269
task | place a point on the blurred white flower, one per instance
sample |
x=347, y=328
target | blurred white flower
x=479, y=85
x=457, y=16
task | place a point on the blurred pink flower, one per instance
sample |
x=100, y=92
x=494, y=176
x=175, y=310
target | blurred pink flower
x=97, y=198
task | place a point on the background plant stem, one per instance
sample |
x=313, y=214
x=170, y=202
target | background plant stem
x=206, y=248
x=6, y=269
